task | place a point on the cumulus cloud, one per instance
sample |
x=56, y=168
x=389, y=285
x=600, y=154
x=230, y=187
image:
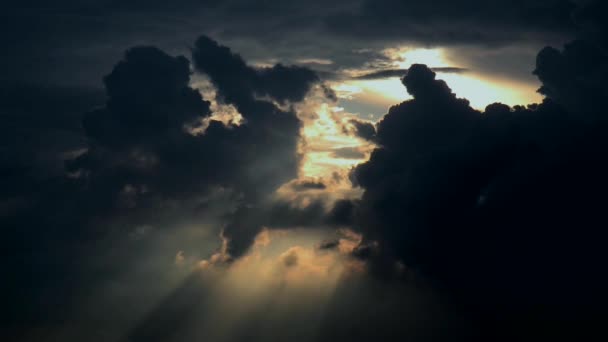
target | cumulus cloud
x=141, y=140
x=140, y=161
x=491, y=205
x=575, y=76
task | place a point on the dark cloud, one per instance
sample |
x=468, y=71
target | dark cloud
x=271, y=134
x=492, y=205
x=308, y=185
x=248, y=221
x=40, y=124
x=589, y=18
x=234, y=79
x=377, y=69
x=469, y=21
x=40, y=127
x=329, y=244
x=342, y=213
x=73, y=42
x=152, y=113
x=362, y=129
x=574, y=77
x=398, y=73
x=133, y=138
x=151, y=155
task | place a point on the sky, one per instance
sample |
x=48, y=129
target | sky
x=363, y=170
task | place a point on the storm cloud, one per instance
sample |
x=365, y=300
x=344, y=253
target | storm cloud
x=72, y=42
x=159, y=186
x=152, y=154
x=492, y=205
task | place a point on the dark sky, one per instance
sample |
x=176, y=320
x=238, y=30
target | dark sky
x=303, y=170
x=70, y=42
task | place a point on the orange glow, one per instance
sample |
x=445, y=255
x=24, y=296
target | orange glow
x=480, y=90
x=322, y=136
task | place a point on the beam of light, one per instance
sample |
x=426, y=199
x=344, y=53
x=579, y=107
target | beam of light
x=284, y=279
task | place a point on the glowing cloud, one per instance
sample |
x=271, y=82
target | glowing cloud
x=481, y=90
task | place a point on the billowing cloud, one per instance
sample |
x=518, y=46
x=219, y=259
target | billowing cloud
x=574, y=77
x=143, y=144
x=154, y=155
x=491, y=205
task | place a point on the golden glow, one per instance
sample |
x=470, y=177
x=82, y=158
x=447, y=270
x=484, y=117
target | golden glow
x=282, y=271
x=322, y=136
x=434, y=58
x=388, y=91
x=480, y=90
x=347, y=90
x=290, y=257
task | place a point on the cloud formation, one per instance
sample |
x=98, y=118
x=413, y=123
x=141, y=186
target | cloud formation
x=153, y=154
x=493, y=206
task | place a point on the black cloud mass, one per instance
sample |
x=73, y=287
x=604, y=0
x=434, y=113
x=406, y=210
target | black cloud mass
x=460, y=223
x=140, y=143
x=504, y=208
